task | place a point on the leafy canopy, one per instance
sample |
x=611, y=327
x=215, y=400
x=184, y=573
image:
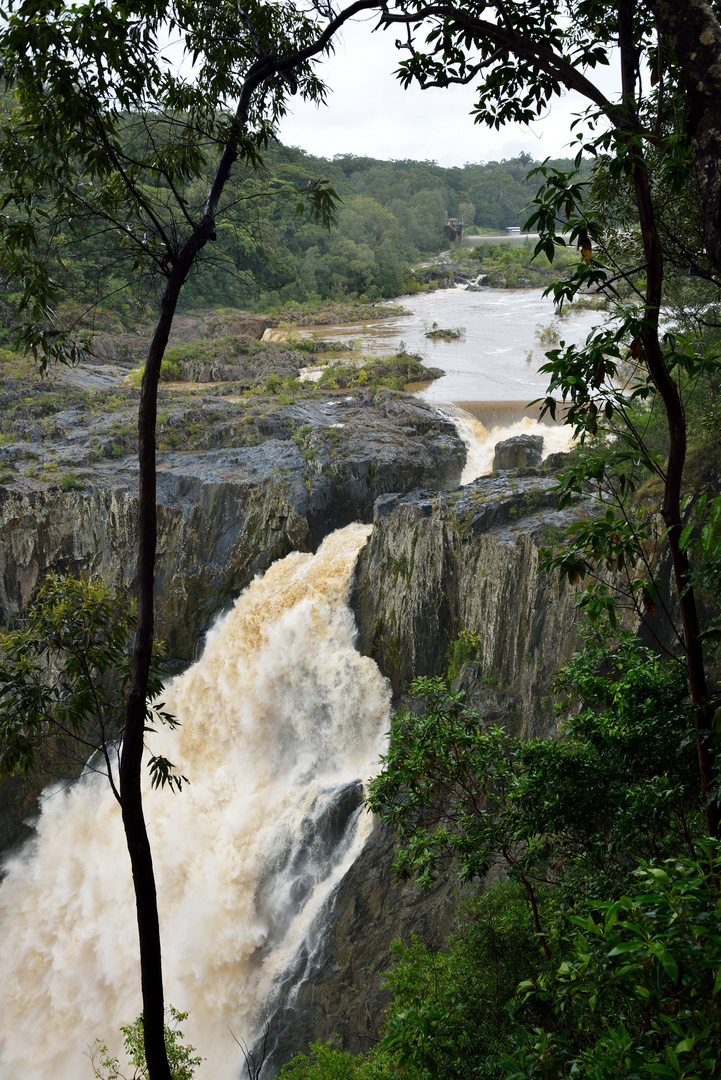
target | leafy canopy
x=64, y=678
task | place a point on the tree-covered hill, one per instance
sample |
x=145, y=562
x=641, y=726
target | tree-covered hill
x=390, y=215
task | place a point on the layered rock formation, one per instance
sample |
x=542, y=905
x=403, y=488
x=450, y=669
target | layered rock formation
x=225, y=514
x=437, y=564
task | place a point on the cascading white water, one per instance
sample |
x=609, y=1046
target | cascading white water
x=279, y=716
x=481, y=443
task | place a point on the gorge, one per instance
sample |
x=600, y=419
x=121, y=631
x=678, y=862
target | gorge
x=268, y=853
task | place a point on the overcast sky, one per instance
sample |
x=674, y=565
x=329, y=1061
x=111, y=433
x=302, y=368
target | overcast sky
x=369, y=113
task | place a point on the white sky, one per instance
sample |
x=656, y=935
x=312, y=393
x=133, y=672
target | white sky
x=369, y=113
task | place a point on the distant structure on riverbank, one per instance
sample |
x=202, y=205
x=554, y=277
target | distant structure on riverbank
x=454, y=228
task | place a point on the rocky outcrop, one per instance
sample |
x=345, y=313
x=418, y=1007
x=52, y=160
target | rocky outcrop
x=335, y=986
x=437, y=564
x=245, y=371
x=519, y=452
x=225, y=514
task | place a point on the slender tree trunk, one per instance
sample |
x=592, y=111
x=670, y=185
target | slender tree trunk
x=693, y=30
x=136, y=834
x=141, y=860
x=675, y=417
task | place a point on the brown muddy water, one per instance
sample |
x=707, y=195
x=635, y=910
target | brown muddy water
x=491, y=362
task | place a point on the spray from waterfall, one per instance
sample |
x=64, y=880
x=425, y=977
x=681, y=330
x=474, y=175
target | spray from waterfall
x=280, y=718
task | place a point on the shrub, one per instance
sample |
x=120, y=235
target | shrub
x=638, y=993
x=70, y=482
x=182, y=1059
x=463, y=650
x=169, y=372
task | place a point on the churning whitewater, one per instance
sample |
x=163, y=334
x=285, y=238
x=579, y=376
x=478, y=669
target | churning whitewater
x=279, y=715
x=481, y=443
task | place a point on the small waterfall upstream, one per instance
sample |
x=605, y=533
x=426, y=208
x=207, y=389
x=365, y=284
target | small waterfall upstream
x=281, y=720
x=481, y=443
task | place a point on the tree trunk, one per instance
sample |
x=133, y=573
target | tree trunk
x=695, y=36
x=676, y=421
x=151, y=971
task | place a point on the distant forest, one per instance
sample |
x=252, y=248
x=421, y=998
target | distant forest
x=270, y=251
x=392, y=214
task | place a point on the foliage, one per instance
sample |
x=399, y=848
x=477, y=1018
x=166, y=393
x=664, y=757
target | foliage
x=444, y=787
x=464, y=989
x=64, y=676
x=326, y=1061
x=509, y=265
x=182, y=1060
x=638, y=994
x=450, y=333
x=266, y=255
x=573, y=812
x=70, y=482
x=707, y=574
x=462, y=651
x=548, y=335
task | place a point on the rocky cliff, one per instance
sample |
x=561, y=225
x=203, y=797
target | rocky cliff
x=276, y=479
x=436, y=563
x=298, y=472
x=440, y=563
x=335, y=987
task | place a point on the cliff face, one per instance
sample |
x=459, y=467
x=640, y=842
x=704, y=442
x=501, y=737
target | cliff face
x=335, y=985
x=226, y=514
x=437, y=564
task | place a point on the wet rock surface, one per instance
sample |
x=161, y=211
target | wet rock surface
x=335, y=986
x=439, y=563
x=518, y=452
x=262, y=479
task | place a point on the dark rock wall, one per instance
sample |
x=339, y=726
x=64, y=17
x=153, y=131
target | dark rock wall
x=439, y=563
x=335, y=986
x=225, y=515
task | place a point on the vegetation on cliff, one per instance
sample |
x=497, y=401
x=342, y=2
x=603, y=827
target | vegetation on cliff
x=596, y=952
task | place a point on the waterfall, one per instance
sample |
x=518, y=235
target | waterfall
x=281, y=718
x=481, y=443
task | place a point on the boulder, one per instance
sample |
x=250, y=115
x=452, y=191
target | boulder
x=556, y=463
x=519, y=452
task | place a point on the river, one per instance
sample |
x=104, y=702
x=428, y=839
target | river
x=491, y=360
x=491, y=371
